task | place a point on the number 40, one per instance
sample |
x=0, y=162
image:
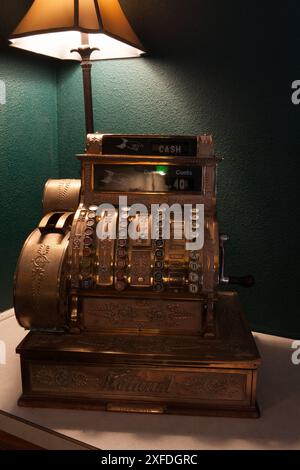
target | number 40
x=179, y=184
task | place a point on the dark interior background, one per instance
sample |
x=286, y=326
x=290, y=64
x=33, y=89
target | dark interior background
x=213, y=66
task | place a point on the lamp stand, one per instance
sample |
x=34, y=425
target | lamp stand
x=85, y=52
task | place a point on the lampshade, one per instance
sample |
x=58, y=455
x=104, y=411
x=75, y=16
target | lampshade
x=54, y=27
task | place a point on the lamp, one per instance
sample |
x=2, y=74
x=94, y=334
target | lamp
x=78, y=29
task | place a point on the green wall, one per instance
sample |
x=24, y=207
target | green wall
x=28, y=154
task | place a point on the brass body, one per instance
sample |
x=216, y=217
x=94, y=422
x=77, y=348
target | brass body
x=146, y=290
x=61, y=195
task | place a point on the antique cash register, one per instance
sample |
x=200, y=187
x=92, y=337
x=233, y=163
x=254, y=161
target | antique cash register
x=123, y=298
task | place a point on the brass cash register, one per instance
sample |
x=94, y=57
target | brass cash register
x=134, y=323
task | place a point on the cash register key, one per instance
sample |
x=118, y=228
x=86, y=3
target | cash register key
x=88, y=241
x=194, y=266
x=120, y=275
x=121, y=253
x=193, y=277
x=121, y=264
x=159, y=254
x=91, y=215
x=120, y=285
x=194, y=255
x=90, y=223
x=122, y=243
x=89, y=231
x=193, y=288
x=158, y=276
x=159, y=243
x=158, y=287
x=93, y=208
x=159, y=264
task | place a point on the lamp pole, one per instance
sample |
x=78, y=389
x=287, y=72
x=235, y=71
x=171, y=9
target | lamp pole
x=85, y=52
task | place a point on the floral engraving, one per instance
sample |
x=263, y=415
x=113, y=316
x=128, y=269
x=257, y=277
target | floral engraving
x=39, y=263
x=60, y=377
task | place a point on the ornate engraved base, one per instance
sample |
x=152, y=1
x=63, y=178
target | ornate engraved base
x=146, y=373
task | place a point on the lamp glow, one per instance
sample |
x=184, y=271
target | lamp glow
x=54, y=27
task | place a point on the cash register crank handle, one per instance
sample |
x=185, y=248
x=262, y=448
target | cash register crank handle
x=245, y=281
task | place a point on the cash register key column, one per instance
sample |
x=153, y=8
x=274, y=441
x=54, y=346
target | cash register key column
x=121, y=251
x=86, y=263
x=158, y=274
x=140, y=253
x=194, y=264
x=82, y=250
x=105, y=246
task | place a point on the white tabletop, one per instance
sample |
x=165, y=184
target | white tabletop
x=278, y=397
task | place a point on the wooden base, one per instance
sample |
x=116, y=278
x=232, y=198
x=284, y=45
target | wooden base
x=146, y=373
x=96, y=405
